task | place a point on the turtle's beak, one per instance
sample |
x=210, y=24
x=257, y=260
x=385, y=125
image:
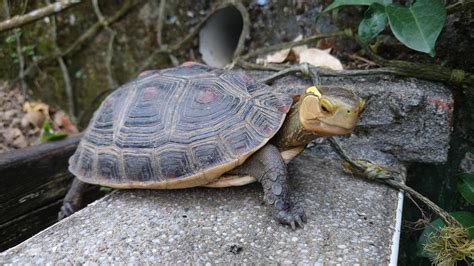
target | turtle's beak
x=324, y=129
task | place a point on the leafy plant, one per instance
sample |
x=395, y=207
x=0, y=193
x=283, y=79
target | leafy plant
x=435, y=233
x=12, y=37
x=417, y=26
x=466, y=187
x=28, y=50
x=465, y=218
x=48, y=134
x=106, y=189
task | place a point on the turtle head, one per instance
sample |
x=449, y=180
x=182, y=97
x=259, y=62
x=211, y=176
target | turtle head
x=329, y=111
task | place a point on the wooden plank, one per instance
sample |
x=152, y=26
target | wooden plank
x=25, y=226
x=33, y=177
x=33, y=182
x=29, y=200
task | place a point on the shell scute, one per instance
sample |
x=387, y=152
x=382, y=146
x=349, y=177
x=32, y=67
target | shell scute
x=240, y=141
x=108, y=166
x=174, y=164
x=139, y=167
x=207, y=155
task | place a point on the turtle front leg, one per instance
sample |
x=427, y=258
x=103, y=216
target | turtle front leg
x=268, y=167
x=73, y=199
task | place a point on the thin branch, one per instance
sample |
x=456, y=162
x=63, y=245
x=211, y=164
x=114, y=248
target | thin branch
x=323, y=72
x=18, y=21
x=287, y=45
x=21, y=59
x=305, y=69
x=159, y=31
x=68, y=89
x=159, y=25
x=97, y=26
x=108, y=61
x=98, y=13
x=460, y=6
x=66, y=77
x=110, y=46
x=423, y=71
x=360, y=58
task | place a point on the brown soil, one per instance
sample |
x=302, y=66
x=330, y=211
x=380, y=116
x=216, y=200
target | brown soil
x=14, y=135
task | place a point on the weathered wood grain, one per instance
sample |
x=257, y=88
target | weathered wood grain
x=33, y=182
x=15, y=231
x=31, y=177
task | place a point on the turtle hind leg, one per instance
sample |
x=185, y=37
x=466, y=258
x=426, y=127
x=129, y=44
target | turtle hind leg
x=73, y=199
x=268, y=167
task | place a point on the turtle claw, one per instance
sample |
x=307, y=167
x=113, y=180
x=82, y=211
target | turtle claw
x=299, y=221
x=303, y=217
x=295, y=217
x=66, y=210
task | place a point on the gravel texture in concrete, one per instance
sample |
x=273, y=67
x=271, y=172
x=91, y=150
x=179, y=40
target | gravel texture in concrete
x=349, y=220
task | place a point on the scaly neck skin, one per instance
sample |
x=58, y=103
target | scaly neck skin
x=292, y=134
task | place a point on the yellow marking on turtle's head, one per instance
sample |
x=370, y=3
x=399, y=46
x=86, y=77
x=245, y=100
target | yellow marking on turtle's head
x=313, y=90
x=330, y=111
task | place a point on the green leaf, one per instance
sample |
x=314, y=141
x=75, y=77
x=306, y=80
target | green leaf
x=27, y=49
x=47, y=133
x=419, y=25
x=465, y=218
x=374, y=22
x=12, y=37
x=338, y=3
x=466, y=186
x=105, y=189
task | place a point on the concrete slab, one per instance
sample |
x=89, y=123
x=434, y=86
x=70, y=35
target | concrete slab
x=349, y=221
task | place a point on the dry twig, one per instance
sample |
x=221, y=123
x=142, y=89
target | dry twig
x=287, y=45
x=110, y=47
x=48, y=10
x=460, y=6
x=21, y=59
x=363, y=59
x=323, y=72
x=66, y=77
x=161, y=18
x=418, y=70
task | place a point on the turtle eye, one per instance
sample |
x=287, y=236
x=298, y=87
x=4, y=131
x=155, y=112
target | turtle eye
x=326, y=106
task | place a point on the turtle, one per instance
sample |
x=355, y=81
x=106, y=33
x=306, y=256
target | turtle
x=195, y=125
